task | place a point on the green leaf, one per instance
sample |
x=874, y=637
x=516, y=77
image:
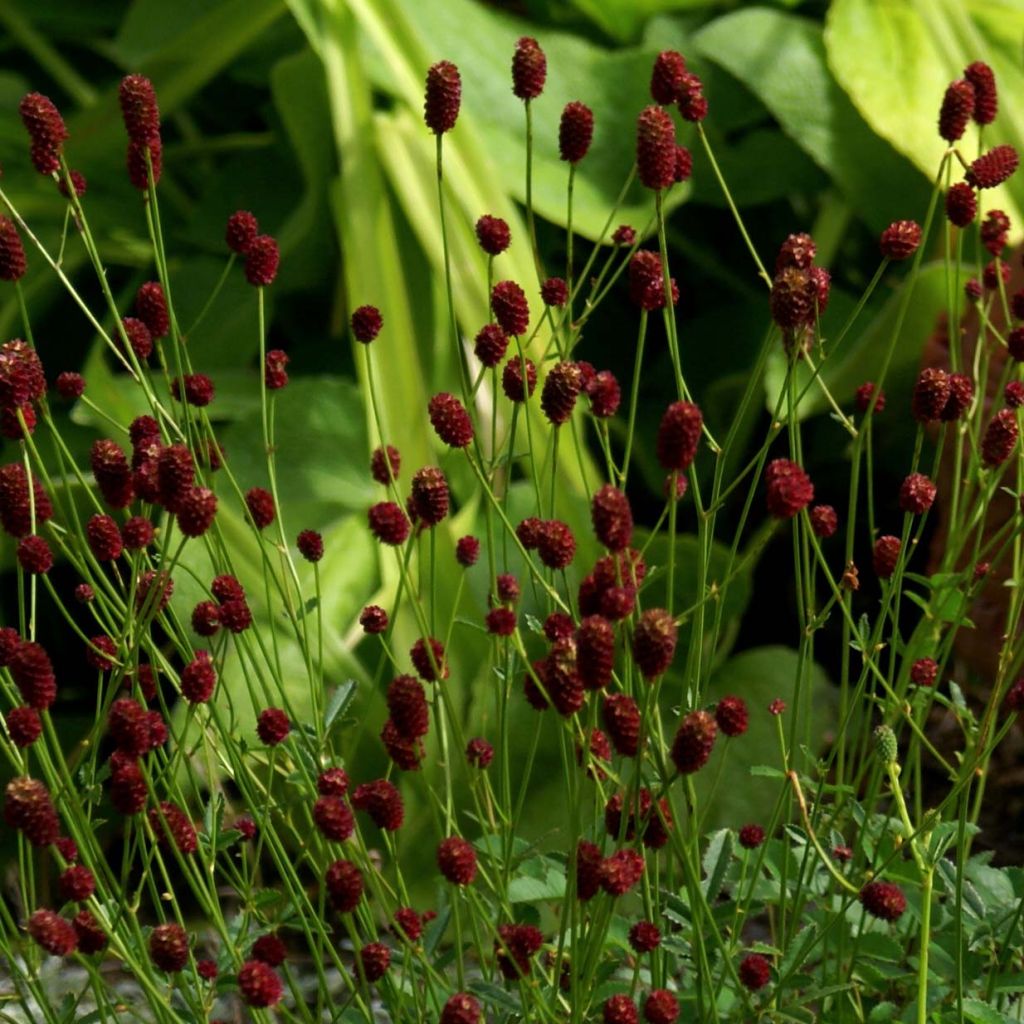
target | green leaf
x=320, y=449
x=539, y=879
x=730, y=597
x=494, y=995
x=717, y=859
x=759, y=676
x=781, y=60
x=866, y=345
x=895, y=59
x=339, y=702
x=613, y=83
x=978, y=1012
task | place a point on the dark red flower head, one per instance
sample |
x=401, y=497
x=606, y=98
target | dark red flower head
x=493, y=234
x=794, y=298
x=575, y=132
x=644, y=937
x=1000, y=438
x=442, y=98
x=510, y=308
x=461, y=1008
x=344, y=884
x=467, y=551
x=654, y=642
x=512, y=379
x=621, y=871
x=619, y=1009
x=46, y=131
x=490, y=345
x=961, y=204
x=24, y=725
x=678, y=436
x=261, y=261
x=917, y=492
x=824, y=521
x=993, y=168
x=529, y=69
x=956, y=110
x=883, y=900
x=112, y=472
x=273, y=726
x=260, y=504
x=52, y=933
x=693, y=741
x=429, y=495
x=139, y=109
x=621, y=717
x=479, y=753
x=333, y=817
x=34, y=555
x=12, y=253
x=556, y=544
x=995, y=229
x=430, y=663
x=561, y=389
x=388, y=523
x=33, y=675
x=667, y=77
x=140, y=168
x=270, y=949
x=693, y=105
x=373, y=619
x=259, y=984
x=623, y=235
x=900, y=239
x=755, y=971
x=924, y=672
x=789, y=488
x=241, y=231
x=554, y=292
x=456, y=860
x=655, y=148
x=382, y=801
x=196, y=511
x=886, y=555
x=731, y=716
x=450, y=420
x=751, y=837
x=28, y=808
x=407, y=704
x=986, y=98
x=366, y=323
x=661, y=1007
x=865, y=393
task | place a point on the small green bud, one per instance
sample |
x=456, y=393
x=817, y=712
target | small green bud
x=885, y=744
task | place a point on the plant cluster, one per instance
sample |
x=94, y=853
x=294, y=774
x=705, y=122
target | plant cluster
x=235, y=860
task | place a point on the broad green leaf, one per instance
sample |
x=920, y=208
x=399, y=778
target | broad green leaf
x=781, y=59
x=732, y=597
x=895, y=59
x=759, y=676
x=865, y=346
x=623, y=19
x=320, y=450
x=978, y=1012
x=539, y=879
x=481, y=40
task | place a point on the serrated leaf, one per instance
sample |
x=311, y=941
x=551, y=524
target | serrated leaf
x=495, y=996
x=339, y=702
x=717, y=859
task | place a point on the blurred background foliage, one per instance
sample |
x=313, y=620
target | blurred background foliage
x=308, y=112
